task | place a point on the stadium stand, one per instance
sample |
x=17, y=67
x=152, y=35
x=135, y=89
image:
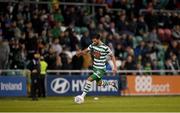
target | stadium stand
x=140, y=39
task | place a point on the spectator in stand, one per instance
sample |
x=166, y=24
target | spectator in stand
x=172, y=49
x=31, y=44
x=155, y=66
x=100, y=13
x=53, y=60
x=140, y=50
x=121, y=22
x=112, y=29
x=133, y=25
x=55, y=31
x=139, y=68
x=85, y=39
x=57, y=15
x=176, y=32
x=129, y=40
x=65, y=61
x=56, y=46
x=74, y=42
x=148, y=68
x=77, y=62
x=129, y=64
x=5, y=51
x=175, y=62
x=151, y=53
x=17, y=55
x=120, y=51
x=152, y=36
x=7, y=31
x=37, y=22
x=141, y=26
x=110, y=39
x=169, y=66
x=16, y=30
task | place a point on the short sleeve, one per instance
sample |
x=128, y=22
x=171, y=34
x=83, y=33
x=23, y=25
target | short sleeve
x=90, y=47
x=108, y=51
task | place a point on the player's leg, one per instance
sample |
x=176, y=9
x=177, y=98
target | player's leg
x=97, y=74
x=87, y=86
x=105, y=83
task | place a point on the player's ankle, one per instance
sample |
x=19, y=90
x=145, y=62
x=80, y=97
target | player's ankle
x=83, y=94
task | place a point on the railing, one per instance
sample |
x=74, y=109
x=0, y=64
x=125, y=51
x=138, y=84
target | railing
x=93, y=5
x=119, y=72
x=49, y=2
x=80, y=72
x=13, y=72
x=61, y=3
x=141, y=11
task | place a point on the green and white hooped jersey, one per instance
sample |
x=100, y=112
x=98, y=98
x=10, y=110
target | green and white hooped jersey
x=99, y=53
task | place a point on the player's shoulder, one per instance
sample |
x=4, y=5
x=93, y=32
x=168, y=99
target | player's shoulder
x=104, y=46
x=90, y=45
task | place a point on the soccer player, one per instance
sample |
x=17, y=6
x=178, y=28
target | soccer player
x=99, y=52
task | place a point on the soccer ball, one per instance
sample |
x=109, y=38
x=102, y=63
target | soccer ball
x=79, y=99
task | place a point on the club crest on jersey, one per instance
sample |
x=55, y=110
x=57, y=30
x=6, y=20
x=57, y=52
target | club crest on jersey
x=96, y=54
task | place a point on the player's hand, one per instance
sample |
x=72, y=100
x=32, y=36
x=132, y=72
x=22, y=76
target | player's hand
x=114, y=71
x=79, y=53
x=34, y=71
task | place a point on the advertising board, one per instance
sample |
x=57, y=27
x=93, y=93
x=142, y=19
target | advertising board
x=13, y=86
x=153, y=85
x=73, y=85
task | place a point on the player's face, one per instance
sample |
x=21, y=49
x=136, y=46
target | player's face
x=95, y=41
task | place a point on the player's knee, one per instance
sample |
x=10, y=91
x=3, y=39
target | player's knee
x=90, y=79
x=99, y=83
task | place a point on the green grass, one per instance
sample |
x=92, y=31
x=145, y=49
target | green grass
x=105, y=103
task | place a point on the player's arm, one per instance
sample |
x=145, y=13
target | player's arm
x=110, y=54
x=82, y=52
x=114, y=63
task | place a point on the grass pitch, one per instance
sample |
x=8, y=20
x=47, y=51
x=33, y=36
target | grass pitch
x=104, y=104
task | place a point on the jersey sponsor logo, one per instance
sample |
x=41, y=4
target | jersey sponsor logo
x=60, y=85
x=145, y=84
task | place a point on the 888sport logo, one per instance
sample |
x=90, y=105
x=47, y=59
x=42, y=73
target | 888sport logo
x=143, y=83
x=146, y=84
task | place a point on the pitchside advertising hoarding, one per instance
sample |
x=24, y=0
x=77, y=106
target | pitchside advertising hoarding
x=153, y=85
x=73, y=85
x=13, y=86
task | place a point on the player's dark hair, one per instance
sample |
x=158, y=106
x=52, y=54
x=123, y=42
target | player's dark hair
x=96, y=36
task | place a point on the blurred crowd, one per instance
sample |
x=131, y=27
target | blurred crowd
x=148, y=40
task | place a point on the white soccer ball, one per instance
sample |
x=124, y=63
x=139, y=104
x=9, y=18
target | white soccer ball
x=79, y=99
x=96, y=98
